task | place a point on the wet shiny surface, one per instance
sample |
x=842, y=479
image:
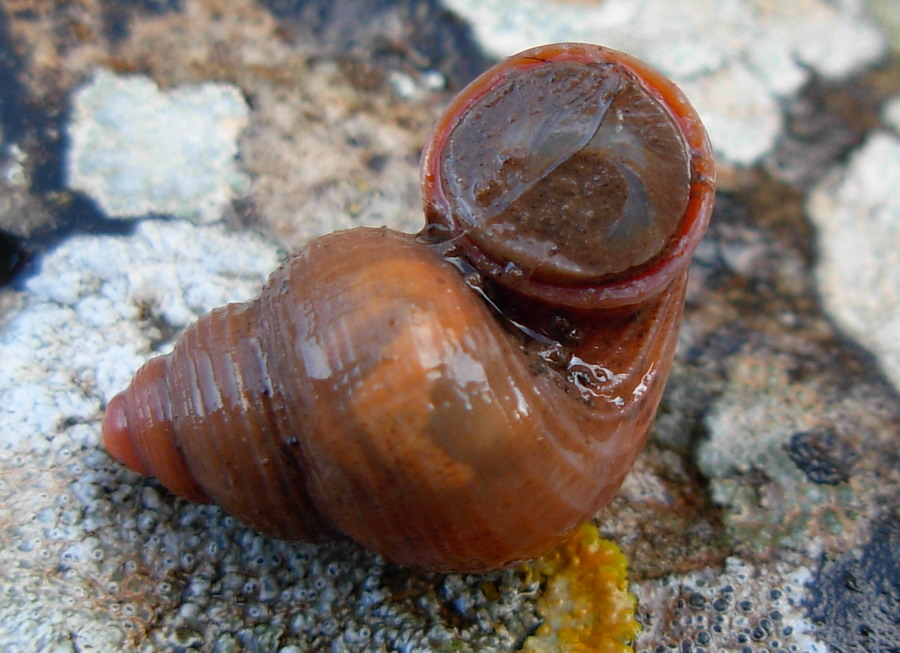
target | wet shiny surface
x=714, y=551
x=619, y=193
x=375, y=393
x=571, y=169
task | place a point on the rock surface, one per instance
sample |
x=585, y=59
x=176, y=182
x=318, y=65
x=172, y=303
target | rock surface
x=764, y=513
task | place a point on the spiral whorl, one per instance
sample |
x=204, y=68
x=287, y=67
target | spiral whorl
x=434, y=397
x=204, y=420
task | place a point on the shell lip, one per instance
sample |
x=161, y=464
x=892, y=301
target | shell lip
x=632, y=287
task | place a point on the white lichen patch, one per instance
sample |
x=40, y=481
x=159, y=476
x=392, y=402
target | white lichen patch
x=736, y=59
x=137, y=150
x=856, y=212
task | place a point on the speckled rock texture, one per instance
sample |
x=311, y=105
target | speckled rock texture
x=764, y=514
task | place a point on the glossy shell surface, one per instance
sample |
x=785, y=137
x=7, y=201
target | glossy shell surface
x=609, y=151
x=449, y=400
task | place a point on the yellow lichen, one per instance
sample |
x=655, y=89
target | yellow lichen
x=586, y=605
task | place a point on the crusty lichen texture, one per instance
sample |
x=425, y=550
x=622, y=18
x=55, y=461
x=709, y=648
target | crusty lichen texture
x=586, y=605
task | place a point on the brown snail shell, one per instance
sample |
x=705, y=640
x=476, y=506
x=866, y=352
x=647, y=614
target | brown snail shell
x=462, y=399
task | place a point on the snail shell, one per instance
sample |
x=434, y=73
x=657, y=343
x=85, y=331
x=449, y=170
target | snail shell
x=461, y=399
